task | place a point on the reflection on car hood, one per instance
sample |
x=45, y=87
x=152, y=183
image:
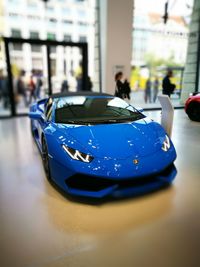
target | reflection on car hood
x=119, y=140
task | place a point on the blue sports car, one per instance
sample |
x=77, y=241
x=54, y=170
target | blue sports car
x=96, y=145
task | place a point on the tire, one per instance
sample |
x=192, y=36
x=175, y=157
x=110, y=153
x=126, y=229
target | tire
x=45, y=159
x=31, y=127
x=193, y=111
x=34, y=131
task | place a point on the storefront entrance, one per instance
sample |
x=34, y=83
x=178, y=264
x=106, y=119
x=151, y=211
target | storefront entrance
x=39, y=68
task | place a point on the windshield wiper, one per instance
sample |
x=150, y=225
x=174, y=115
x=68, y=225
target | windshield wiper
x=73, y=122
x=103, y=121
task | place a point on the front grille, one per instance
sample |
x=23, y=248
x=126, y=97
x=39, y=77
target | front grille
x=88, y=183
x=95, y=184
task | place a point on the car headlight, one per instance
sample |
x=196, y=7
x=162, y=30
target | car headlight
x=77, y=155
x=166, y=144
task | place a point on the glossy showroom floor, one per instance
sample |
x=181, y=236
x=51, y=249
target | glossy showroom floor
x=39, y=227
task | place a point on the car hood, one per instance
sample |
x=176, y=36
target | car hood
x=119, y=140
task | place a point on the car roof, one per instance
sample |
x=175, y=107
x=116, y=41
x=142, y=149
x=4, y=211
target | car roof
x=81, y=93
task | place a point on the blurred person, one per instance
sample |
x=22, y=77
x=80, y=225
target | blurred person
x=64, y=86
x=119, y=90
x=168, y=87
x=126, y=89
x=155, y=89
x=39, y=84
x=1, y=85
x=32, y=89
x=21, y=89
x=4, y=93
x=79, y=83
x=147, y=92
x=89, y=84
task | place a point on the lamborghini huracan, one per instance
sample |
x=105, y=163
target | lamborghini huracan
x=97, y=145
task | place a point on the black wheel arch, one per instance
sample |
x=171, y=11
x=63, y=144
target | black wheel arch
x=193, y=110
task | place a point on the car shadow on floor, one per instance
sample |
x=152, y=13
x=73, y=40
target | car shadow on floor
x=106, y=199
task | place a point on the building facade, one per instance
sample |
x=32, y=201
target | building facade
x=62, y=20
x=162, y=41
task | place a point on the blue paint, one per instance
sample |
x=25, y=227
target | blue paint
x=114, y=147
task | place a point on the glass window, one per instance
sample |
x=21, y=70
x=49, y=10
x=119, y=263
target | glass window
x=65, y=21
x=81, y=23
x=52, y=20
x=16, y=33
x=35, y=48
x=83, y=39
x=34, y=35
x=94, y=110
x=17, y=46
x=51, y=36
x=53, y=51
x=67, y=38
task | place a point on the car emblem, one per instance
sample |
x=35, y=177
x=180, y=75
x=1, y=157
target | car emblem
x=166, y=144
x=135, y=161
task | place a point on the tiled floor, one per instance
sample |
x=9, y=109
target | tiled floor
x=39, y=227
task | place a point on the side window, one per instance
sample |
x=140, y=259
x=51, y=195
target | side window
x=48, y=109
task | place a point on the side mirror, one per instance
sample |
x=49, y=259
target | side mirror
x=36, y=115
x=140, y=109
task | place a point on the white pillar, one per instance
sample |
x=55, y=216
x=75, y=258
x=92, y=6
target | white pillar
x=116, y=17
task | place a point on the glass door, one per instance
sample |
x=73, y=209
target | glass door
x=29, y=74
x=38, y=68
x=66, y=69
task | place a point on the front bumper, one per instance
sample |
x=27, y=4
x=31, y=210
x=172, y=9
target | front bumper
x=88, y=185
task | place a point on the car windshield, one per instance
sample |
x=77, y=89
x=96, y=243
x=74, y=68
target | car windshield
x=94, y=110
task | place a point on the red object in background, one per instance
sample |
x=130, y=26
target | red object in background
x=192, y=107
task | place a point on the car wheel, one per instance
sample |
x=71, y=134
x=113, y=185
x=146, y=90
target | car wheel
x=31, y=126
x=45, y=159
x=193, y=111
